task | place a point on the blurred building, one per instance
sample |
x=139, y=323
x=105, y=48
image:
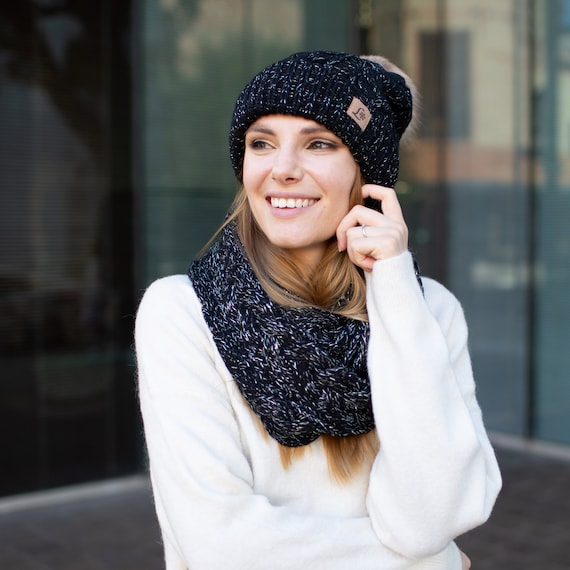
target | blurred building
x=114, y=170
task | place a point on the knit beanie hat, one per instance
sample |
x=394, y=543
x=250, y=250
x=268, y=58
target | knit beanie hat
x=359, y=99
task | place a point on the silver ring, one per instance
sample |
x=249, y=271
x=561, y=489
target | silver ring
x=363, y=228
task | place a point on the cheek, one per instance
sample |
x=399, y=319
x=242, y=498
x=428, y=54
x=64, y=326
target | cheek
x=255, y=204
x=344, y=186
x=246, y=174
x=252, y=175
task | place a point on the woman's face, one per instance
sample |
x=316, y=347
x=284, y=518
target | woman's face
x=298, y=176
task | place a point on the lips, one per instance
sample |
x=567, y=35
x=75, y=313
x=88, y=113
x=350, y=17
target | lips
x=292, y=202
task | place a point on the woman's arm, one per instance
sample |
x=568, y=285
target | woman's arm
x=203, y=483
x=436, y=475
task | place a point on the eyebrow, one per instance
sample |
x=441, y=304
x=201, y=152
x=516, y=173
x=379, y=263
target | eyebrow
x=303, y=131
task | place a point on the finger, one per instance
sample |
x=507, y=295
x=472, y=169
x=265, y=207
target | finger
x=358, y=216
x=364, y=247
x=387, y=196
x=358, y=250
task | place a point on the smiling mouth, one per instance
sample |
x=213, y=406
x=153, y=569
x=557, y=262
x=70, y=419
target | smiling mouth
x=292, y=202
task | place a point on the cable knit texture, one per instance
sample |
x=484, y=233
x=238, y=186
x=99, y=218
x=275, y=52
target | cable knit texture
x=303, y=371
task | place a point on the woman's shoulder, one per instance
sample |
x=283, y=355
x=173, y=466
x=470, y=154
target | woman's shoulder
x=178, y=285
x=176, y=354
x=170, y=299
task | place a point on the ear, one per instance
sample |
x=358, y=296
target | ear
x=412, y=128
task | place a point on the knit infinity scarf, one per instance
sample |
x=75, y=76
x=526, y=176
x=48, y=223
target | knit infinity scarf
x=302, y=371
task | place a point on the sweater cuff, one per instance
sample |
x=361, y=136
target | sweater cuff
x=393, y=282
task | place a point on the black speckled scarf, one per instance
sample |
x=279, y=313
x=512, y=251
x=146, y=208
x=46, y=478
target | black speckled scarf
x=303, y=371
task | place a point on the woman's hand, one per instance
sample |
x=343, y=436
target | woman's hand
x=465, y=562
x=368, y=235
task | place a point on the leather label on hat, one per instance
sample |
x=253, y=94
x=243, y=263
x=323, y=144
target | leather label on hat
x=359, y=113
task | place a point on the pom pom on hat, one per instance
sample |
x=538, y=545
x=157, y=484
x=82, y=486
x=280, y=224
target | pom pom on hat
x=413, y=126
x=366, y=101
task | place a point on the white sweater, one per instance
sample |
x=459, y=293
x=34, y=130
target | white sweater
x=225, y=502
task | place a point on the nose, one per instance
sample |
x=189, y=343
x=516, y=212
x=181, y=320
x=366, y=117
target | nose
x=287, y=168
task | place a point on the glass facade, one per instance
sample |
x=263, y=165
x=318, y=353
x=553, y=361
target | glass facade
x=196, y=58
x=551, y=208
x=486, y=186
x=67, y=407
x=468, y=171
x=115, y=171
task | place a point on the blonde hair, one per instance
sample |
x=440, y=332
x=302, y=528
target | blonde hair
x=336, y=284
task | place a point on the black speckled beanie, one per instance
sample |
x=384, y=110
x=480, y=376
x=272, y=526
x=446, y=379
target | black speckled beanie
x=358, y=99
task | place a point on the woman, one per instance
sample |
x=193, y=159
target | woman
x=307, y=398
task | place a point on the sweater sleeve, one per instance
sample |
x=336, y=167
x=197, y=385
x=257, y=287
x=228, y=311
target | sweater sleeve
x=436, y=472
x=210, y=516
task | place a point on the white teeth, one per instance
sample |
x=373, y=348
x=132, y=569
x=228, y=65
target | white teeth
x=291, y=202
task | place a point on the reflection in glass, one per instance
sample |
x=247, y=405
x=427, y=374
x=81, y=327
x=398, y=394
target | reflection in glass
x=65, y=264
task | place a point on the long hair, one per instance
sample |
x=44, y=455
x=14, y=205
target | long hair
x=337, y=285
